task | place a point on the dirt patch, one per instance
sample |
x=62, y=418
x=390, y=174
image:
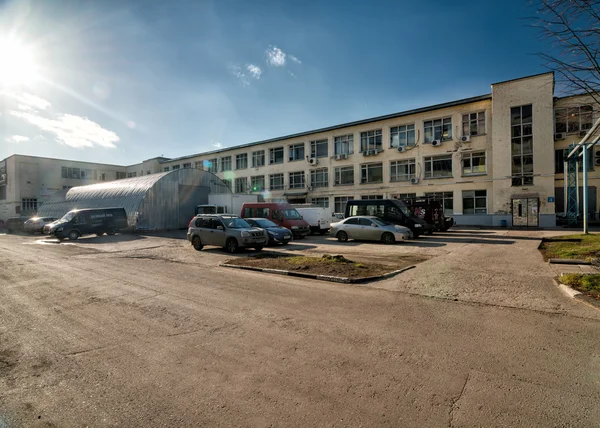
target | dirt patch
x=335, y=265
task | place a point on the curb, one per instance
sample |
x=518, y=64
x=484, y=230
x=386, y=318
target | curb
x=577, y=295
x=569, y=262
x=338, y=279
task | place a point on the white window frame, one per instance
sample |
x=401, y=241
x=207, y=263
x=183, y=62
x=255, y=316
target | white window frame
x=343, y=144
x=226, y=164
x=371, y=140
x=319, y=177
x=272, y=156
x=187, y=165
x=241, y=185
x=409, y=164
x=337, y=172
x=257, y=181
x=445, y=124
x=469, y=156
x=519, y=132
x=322, y=202
x=278, y=187
x=569, y=113
x=470, y=194
x=258, y=159
x=293, y=156
x=365, y=172
x=199, y=165
x=468, y=121
x=430, y=160
x=314, y=148
x=293, y=181
x=444, y=197
x=338, y=201
x=241, y=161
x=212, y=165
x=409, y=133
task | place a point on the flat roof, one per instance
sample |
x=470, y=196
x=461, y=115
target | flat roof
x=523, y=78
x=343, y=125
x=65, y=160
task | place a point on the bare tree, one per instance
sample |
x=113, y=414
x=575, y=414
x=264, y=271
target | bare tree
x=573, y=29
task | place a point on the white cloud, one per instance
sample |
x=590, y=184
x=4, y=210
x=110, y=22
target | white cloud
x=239, y=75
x=254, y=70
x=28, y=101
x=296, y=60
x=275, y=56
x=17, y=139
x=292, y=74
x=71, y=130
x=217, y=145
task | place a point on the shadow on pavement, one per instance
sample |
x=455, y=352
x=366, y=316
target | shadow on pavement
x=500, y=237
x=448, y=239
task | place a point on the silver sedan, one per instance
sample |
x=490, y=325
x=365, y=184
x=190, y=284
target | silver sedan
x=369, y=228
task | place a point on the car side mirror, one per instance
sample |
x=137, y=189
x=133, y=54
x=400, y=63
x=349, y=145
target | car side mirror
x=220, y=228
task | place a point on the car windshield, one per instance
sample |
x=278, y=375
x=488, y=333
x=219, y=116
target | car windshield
x=235, y=223
x=380, y=222
x=265, y=223
x=291, y=214
x=405, y=210
x=69, y=216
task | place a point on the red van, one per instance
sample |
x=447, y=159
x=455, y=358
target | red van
x=278, y=212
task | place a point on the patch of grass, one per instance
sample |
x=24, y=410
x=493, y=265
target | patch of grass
x=589, y=284
x=571, y=247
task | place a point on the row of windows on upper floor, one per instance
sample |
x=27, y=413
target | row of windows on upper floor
x=473, y=163
x=370, y=142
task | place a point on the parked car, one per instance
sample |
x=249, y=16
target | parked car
x=318, y=218
x=14, y=224
x=280, y=213
x=277, y=234
x=390, y=210
x=225, y=230
x=430, y=209
x=97, y=221
x=36, y=224
x=48, y=226
x=335, y=217
x=369, y=228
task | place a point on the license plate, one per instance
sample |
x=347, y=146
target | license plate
x=287, y=236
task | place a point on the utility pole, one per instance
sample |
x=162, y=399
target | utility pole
x=585, y=190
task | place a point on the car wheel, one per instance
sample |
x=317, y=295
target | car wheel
x=388, y=238
x=259, y=248
x=73, y=235
x=231, y=245
x=197, y=243
x=342, y=236
x=111, y=231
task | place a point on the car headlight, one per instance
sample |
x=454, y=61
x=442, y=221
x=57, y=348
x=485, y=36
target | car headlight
x=295, y=227
x=418, y=225
x=245, y=234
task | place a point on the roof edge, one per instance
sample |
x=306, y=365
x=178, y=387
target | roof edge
x=524, y=77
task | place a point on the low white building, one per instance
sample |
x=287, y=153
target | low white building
x=493, y=158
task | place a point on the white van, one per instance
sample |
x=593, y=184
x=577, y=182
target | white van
x=318, y=218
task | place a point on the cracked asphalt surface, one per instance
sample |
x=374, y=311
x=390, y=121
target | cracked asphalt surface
x=145, y=331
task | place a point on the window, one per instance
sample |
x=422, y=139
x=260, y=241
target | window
x=211, y=165
x=402, y=136
x=103, y=176
x=166, y=169
x=560, y=157
x=402, y=170
x=67, y=187
x=474, y=201
x=241, y=161
x=88, y=173
x=199, y=165
x=473, y=163
x=71, y=172
x=296, y=152
x=2, y=192
x=573, y=119
x=227, y=182
x=276, y=155
x=276, y=182
x=320, y=202
x=344, y=145
x=438, y=129
x=404, y=195
x=339, y=203
x=121, y=175
x=371, y=140
x=257, y=183
x=344, y=175
x=319, y=149
x=226, y=163
x=241, y=184
x=147, y=172
x=473, y=123
x=371, y=173
x=29, y=205
x=447, y=199
x=369, y=197
x=521, y=119
x=438, y=166
x=296, y=180
x=319, y=177
x=258, y=159
x=174, y=167
x=131, y=174
x=187, y=165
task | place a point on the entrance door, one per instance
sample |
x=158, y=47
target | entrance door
x=525, y=212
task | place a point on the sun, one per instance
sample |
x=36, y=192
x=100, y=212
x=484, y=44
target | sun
x=18, y=67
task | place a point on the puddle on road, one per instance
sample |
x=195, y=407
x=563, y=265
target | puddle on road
x=48, y=242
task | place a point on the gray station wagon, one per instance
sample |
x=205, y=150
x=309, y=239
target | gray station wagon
x=228, y=231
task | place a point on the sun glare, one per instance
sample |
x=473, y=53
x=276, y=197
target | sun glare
x=18, y=66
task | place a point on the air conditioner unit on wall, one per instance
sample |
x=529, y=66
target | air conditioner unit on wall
x=560, y=136
x=597, y=154
x=414, y=180
x=465, y=139
x=401, y=149
x=436, y=143
x=597, y=161
x=344, y=156
x=313, y=161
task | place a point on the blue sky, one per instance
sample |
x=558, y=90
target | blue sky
x=123, y=81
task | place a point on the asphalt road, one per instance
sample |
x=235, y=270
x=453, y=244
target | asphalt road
x=125, y=331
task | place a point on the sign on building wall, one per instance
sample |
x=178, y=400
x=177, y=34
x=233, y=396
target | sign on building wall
x=2, y=173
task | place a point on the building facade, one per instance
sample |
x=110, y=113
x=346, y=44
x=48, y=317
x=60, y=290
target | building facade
x=493, y=159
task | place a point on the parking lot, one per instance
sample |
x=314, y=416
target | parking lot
x=141, y=330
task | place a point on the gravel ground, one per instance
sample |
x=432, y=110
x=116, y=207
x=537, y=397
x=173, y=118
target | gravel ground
x=145, y=331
